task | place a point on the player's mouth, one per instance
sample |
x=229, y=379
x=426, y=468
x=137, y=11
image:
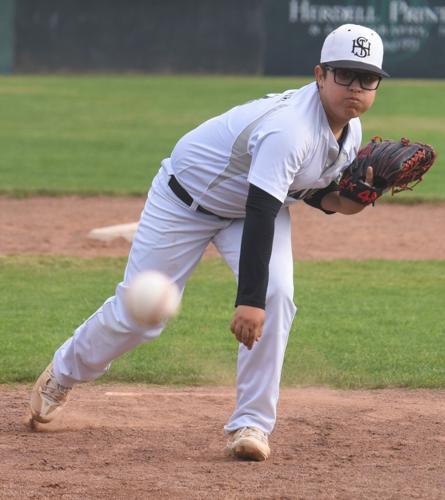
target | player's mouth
x=353, y=100
x=354, y=104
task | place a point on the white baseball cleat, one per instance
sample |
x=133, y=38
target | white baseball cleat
x=249, y=443
x=47, y=397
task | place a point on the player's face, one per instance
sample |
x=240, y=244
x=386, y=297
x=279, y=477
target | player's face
x=342, y=92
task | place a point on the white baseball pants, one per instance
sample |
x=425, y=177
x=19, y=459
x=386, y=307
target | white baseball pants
x=171, y=238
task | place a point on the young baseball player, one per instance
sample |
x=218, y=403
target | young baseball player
x=230, y=182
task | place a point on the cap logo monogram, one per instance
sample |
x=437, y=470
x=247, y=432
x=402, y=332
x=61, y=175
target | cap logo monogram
x=361, y=47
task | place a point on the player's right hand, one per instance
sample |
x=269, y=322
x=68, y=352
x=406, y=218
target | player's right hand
x=247, y=324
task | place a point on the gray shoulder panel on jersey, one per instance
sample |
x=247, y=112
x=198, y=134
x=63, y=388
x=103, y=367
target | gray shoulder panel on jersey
x=240, y=159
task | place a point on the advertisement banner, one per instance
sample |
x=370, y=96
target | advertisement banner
x=413, y=32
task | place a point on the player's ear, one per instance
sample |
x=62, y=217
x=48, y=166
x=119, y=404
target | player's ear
x=319, y=75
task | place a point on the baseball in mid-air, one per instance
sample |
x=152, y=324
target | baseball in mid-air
x=152, y=298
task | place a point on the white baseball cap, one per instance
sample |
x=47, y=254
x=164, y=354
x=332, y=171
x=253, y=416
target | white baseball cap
x=353, y=46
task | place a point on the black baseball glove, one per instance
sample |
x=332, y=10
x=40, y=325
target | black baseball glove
x=397, y=166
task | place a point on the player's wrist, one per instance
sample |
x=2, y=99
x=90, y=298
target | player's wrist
x=249, y=302
x=335, y=202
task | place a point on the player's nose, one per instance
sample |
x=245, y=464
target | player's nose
x=355, y=84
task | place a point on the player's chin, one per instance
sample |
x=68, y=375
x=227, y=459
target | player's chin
x=353, y=111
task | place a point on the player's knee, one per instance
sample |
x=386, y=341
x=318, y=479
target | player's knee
x=280, y=293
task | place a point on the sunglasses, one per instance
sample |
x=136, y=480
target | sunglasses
x=345, y=77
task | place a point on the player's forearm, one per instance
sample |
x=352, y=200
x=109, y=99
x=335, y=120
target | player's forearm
x=336, y=203
x=256, y=248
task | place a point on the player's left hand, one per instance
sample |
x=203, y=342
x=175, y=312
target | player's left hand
x=247, y=324
x=336, y=203
x=396, y=166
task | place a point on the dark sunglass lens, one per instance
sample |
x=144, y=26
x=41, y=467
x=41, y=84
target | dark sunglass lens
x=344, y=76
x=370, y=82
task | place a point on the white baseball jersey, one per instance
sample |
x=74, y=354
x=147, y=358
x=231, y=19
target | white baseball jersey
x=281, y=143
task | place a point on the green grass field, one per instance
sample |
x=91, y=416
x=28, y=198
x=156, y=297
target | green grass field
x=384, y=328
x=369, y=324
x=96, y=134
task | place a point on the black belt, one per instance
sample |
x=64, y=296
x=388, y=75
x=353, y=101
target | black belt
x=182, y=194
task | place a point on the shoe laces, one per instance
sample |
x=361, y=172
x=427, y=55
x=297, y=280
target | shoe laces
x=53, y=391
x=253, y=432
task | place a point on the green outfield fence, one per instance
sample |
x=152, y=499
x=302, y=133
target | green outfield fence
x=272, y=37
x=6, y=36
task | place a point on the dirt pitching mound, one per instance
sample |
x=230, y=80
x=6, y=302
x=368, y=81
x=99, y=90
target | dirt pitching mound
x=138, y=442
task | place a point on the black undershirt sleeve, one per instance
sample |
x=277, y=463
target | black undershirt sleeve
x=256, y=247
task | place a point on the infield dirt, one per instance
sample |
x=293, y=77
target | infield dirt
x=45, y=225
